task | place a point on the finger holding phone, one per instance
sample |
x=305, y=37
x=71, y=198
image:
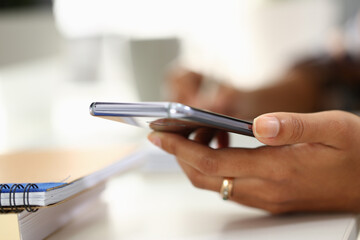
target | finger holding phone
x=310, y=163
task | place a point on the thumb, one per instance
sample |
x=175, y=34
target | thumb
x=291, y=128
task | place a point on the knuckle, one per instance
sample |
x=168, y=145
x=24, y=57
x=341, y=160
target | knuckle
x=298, y=128
x=340, y=123
x=196, y=180
x=208, y=164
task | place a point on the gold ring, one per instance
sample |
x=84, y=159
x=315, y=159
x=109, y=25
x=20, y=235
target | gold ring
x=226, y=188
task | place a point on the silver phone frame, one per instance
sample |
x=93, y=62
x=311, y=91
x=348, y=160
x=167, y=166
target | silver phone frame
x=170, y=110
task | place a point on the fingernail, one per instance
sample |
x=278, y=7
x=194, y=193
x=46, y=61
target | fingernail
x=266, y=127
x=155, y=140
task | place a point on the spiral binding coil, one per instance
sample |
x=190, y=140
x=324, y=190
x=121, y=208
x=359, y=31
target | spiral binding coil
x=3, y=186
x=12, y=193
x=27, y=203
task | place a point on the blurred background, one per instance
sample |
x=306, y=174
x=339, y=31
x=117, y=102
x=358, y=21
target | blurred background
x=56, y=57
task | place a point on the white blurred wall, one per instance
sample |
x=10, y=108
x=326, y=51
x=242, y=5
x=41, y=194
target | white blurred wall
x=246, y=42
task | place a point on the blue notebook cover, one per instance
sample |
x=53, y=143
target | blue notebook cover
x=29, y=187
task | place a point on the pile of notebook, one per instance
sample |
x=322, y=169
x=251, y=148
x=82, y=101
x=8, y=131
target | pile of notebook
x=41, y=191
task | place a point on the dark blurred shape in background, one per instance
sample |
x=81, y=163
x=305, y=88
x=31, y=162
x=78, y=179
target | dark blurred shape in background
x=16, y=4
x=27, y=31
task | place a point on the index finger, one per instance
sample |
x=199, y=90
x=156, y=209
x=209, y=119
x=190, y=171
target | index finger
x=222, y=163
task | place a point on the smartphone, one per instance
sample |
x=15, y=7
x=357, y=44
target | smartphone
x=168, y=117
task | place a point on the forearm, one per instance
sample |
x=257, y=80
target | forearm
x=300, y=90
x=296, y=95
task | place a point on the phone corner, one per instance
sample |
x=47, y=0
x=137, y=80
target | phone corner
x=91, y=108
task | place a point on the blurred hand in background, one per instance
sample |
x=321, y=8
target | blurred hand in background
x=315, y=84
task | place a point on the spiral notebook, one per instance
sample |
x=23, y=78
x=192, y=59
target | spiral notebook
x=31, y=180
x=45, y=221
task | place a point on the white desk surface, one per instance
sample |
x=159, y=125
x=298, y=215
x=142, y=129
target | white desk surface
x=166, y=206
